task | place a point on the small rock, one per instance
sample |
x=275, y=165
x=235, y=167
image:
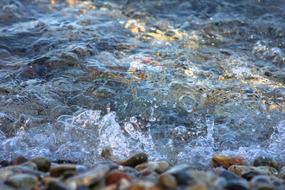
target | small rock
x=42, y=163
x=178, y=168
x=240, y=170
x=167, y=181
x=137, y=187
x=157, y=166
x=199, y=187
x=110, y=187
x=265, y=161
x=56, y=185
x=236, y=185
x=5, y=163
x=19, y=160
x=183, y=178
x=261, y=182
x=180, y=172
x=143, y=185
x=135, y=160
x=27, y=168
x=282, y=173
x=132, y=172
x=115, y=177
x=226, y=161
x=248, y=176
x=261, y=170
x=229, y=176
x=124, y=185
x=59, y=170
x=90, y=177
x=5, y=187
x=22, y=180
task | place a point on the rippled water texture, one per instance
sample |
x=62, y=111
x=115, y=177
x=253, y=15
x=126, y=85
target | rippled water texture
x=181, y=80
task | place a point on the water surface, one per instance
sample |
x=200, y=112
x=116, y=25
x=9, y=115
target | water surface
x=180, y=80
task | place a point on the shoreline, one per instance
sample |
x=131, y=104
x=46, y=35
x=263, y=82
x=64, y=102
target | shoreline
x=137, y=173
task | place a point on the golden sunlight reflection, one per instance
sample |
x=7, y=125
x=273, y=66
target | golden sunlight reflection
x=70, y=3
x=84, y=6
x=140, y=29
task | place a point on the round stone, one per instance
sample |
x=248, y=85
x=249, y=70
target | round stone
x=167, y=181
x=265, y=161
x=115, y=177
x=22, y=181
x=42, y=163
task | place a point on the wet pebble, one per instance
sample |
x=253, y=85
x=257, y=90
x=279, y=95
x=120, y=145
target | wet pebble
x=90, y=177
x=262, y=182
x=157, y=166
x=227, y=161
x=56, y=185
x=282, y=173
x=135, y=160
x=236, y=185
x=42, y=163
x=22, y=181
x=265, y=161
x=124, y=184
x=260, y=170
x=59, y=170
x=167, y=181
x=181, y=174
x=115, y=177
x=228, y=175
x=19, y=160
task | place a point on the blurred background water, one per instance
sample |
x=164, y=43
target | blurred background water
x=181, y=80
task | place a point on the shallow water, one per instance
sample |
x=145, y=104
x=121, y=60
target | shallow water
x=180, y=80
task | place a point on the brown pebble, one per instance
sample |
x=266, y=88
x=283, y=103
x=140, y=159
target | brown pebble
x=135, y=160
x=56, y=185
x=115, y=177
x=19, y=160
x=227, y=161
x=167, y=181
x=59, y=170
x=137, y=187
x=265, y=161
x=42, y=163
x=199, y=187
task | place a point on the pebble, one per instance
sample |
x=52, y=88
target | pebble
x=56, y=185
x=115, y=177
x=22, y=181
x=260, y=170
x=228, y=175
x=42, y=163
x=198, y=187
x=124, y=184
x=181, y=174
x=282, y=173
x=265, y=161
x=135, y=160
x=59, y=170
x=90, y=177
x=19, y=160
x=167, y=181
x=5, y=187
x=226, y=161
x=236, y=185
x=157, y=166
x=261, y=182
